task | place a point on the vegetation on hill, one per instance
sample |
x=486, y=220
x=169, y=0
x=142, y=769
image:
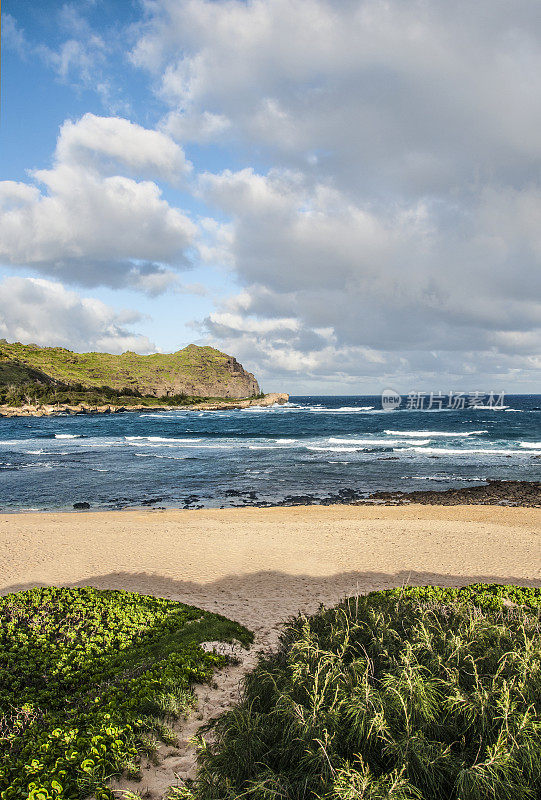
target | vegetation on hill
x=418, y=693
x=194, y=370
x=89, y=680
x=38, y=394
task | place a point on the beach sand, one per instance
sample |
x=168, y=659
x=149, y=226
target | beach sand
x=260, y=566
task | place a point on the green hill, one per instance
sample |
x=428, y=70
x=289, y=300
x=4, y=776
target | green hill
x=201, y=371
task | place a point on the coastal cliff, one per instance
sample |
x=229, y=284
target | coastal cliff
x=194, y=371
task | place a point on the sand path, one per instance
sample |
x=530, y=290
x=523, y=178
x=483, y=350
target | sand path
x=259, y=566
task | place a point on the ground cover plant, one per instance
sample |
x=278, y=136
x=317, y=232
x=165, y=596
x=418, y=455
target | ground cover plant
x=413, y=693
x=89, y=680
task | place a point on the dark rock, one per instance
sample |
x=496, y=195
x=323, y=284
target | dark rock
x=81, y=506
x=495, y=492
x=190, y=500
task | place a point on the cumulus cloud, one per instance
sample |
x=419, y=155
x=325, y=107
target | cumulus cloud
x=386, y=219
x=398, y=223
x=346, y=295
x=106, y=144
x=374, y=91
x=86, y=222
x=46, y=313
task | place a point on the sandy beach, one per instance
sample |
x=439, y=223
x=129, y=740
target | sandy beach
x=259, y=566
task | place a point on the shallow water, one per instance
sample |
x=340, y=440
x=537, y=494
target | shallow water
x=315, y=446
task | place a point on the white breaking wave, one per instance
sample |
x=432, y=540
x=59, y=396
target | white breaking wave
x=353, y=408
x=165, y=439
x=178, y=445
x=68, y=436
x=440, y=478
x=462, y=451
x=157, y=455
x=489, y=408
x=372, y=442
x=431, y=434
x=166, y=416
x=286, y=441
x=531, y=445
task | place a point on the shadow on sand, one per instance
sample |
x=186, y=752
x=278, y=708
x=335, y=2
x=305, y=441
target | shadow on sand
x=262, y=600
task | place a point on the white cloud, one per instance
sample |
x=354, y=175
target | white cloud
x=85, y=222
x=389, y=280
x=379, y=92
x=106, y=144
x=46, y=313
x=201, y=128
x=391, y=226
x=401, y=209
x=13, y=37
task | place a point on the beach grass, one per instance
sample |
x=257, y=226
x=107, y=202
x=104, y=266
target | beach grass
x=90, y=680
x=413, y=693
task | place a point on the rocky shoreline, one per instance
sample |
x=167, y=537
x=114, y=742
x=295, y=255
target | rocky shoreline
x=494, y=492
x=84, y=408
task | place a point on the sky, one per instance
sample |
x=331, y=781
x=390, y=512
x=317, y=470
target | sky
x=343, y=194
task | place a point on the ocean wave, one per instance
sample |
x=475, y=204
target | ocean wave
x=166, y=439
x=286, y=441
x=69, y=436
x=324, y=410
x=489, y=408
x=30, y=465
x=333, y=449
x=461, y=451
x=440, y=478
x=431, y=434
x=158, y=455
x=355, y=408
x=178, y=445
x=166, y=416
x=372, y=442
x=531, y=445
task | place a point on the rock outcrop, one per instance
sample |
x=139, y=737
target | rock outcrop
x=47, y=410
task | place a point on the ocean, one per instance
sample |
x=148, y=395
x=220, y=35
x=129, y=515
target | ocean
x=315, y=449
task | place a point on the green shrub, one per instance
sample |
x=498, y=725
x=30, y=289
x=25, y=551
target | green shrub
x=37, y=394
x=87, y=679
x=417, y=693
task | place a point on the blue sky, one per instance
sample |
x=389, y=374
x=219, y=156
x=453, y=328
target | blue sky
x=344, y=195
x=37, y=97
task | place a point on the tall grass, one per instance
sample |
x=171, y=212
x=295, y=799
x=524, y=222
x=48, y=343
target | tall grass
x=426, y=693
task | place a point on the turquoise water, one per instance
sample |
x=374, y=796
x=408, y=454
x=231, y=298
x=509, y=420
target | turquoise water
x=315, y=449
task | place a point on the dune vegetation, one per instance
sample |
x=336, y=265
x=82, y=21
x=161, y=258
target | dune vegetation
x=89, y=681
x=418, y=693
